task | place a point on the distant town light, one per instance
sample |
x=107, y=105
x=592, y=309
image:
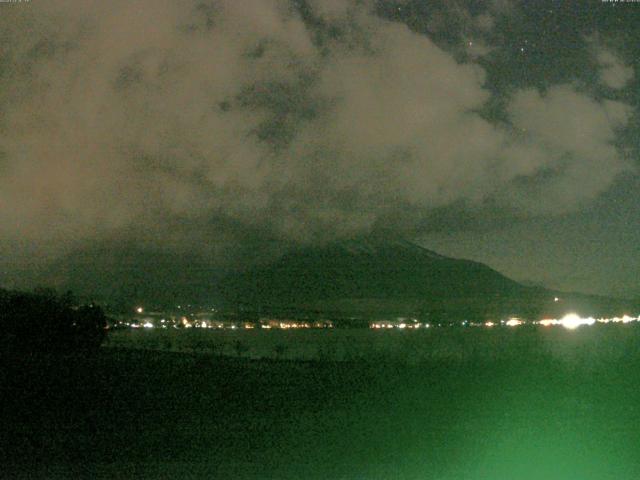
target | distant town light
x=513, y=322
x=572, y=321
x=139, y=309
x=548, y=322
x=555, y=299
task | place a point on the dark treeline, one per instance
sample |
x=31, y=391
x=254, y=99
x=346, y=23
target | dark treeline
x=42, y=321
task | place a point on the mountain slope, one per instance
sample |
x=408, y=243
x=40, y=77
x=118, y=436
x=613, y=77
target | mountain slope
x=389, y=272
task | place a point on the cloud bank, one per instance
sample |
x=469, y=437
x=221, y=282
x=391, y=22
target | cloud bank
x=614, y=73
x=181, y=121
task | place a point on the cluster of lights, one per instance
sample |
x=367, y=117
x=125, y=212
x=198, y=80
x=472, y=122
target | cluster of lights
x=287, y=325
x=623, y=319
x=185, y=322
x=294, y=324
x=572, y=321
x=513, y=322
x=401, y=325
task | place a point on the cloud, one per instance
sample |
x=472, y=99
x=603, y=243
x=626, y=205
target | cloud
x=485, y=22
x=569, y=148
x=477, y=48
x=332, y=10
x=614, y=73
x=127, y=118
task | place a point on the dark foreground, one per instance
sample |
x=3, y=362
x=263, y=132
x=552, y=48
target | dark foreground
x=133, y=414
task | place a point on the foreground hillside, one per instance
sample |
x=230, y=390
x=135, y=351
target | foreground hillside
x=522, y=413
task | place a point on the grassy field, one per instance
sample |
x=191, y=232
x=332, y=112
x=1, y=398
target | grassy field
x=526, y=404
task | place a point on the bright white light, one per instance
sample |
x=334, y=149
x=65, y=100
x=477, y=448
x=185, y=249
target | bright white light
x=513, y=322
x=489, y=324
x=555, y=299
x=573, y=321
x=147, y=325
x=548, y=322
x=139, y=309
x=402, y=325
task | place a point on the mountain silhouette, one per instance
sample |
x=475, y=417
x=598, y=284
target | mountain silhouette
x=373, y=274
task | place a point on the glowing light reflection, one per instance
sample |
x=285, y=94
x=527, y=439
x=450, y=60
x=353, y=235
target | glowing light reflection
x=572, y=321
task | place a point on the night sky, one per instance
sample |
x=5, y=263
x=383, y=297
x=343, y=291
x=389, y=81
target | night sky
x=160, y=138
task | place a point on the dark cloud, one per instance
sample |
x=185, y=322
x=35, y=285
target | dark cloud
x=186, y=124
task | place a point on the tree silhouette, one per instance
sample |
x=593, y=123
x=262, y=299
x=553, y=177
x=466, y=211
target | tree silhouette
x=41, y=321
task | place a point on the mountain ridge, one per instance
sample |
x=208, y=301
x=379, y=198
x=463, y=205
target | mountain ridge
x=373, y=276
x=371, y=268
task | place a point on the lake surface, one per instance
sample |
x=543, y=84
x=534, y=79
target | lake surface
x=597, y=343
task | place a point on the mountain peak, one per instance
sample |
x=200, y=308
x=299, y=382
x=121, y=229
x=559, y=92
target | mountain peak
x=376, y=245
x=368, y=270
